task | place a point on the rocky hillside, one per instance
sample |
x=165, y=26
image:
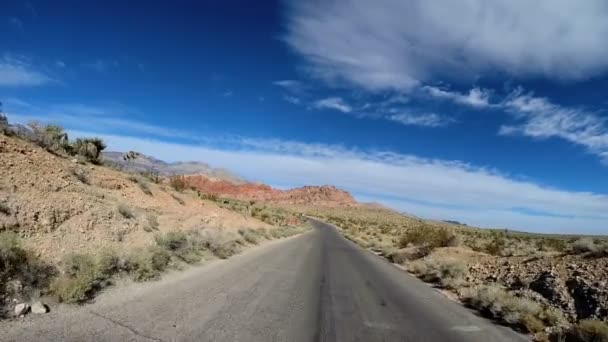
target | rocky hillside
x=59, y=205
x=540, y=284
x=137, y=162
x=310, y=195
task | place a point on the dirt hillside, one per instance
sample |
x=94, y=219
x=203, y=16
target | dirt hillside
x=59, y=206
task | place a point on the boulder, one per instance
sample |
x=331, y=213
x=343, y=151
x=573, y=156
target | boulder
x=589, y=301
x=21, y=309
x=39, y=308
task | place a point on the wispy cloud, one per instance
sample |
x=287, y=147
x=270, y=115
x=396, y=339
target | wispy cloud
x=476, y=97
x=109, y=117
x=335, y=103
x=538, y=117
x=292, y=99
x=18, y=72
x=16, y=23
x=397, y=45
x=421, y=119
x=101, y=65
x=427, y=187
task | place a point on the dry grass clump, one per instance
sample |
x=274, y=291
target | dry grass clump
x=588, y=331
x=125, y=211
x=250, y=235
x=5, y=209
x=448, y=274
x=178, y=199
x=81, y=176
x=152, y=223
x=583, y=245
x=143, y=185
x=524, y=314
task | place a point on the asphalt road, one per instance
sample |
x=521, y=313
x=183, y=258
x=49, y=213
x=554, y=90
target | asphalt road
x=314, y=287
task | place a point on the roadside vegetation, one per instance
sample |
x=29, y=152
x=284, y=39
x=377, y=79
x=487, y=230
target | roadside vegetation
x=80, y=277
x=503, y=274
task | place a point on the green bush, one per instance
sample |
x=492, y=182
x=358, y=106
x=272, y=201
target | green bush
x=583, y=245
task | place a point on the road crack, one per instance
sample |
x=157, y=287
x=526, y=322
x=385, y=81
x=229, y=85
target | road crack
x=133, y=331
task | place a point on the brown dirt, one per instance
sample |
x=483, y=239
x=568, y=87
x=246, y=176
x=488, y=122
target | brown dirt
x=57, y=213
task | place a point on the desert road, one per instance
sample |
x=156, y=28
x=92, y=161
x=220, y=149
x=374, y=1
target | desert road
x=314, y=287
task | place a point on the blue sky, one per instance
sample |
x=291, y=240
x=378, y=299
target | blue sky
x=489, y=113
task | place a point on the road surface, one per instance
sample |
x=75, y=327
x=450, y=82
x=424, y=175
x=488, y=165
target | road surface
x=314, y=287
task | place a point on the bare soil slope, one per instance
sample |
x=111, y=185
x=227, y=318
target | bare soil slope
x=60, y=206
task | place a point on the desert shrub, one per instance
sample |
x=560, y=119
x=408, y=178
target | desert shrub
x=19, y=265
x=50, y=137
x=429, y=236
x=143, y=185
x=172, y=241
x=583, y=245
x=588, y=331
x=186, y=247
x=89, y=148
x=108, y=263
x=148, y=264
x=3, y=124
x=601, y=251
x=210, y=197
x=178, y=199
x=4, y=208
x=522, y=313
x=81, y=176
x=558, y=245
x=221, y=243
x=496, y=246
x=178, y=182
x=250, y=235
x=125, y=211
x=152, y=223
x=447, y=273
x=152, y=176
x=81, y=281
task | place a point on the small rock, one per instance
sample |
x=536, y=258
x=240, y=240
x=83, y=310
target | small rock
x=21, y=309
x=39, y=308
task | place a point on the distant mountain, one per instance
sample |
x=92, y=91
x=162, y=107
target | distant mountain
x=144, y=163
x=314, y=195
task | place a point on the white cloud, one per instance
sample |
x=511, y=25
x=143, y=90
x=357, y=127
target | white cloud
x=17, y=72
x=540, y=118
x=476, y=97
x=430, y=188
x=111, y=117
x=396, y=45
x=101, y=65
x=292, y=99
x=424, y=119
x=335, y=103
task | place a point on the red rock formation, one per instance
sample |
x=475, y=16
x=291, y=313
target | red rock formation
x=317, y=195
